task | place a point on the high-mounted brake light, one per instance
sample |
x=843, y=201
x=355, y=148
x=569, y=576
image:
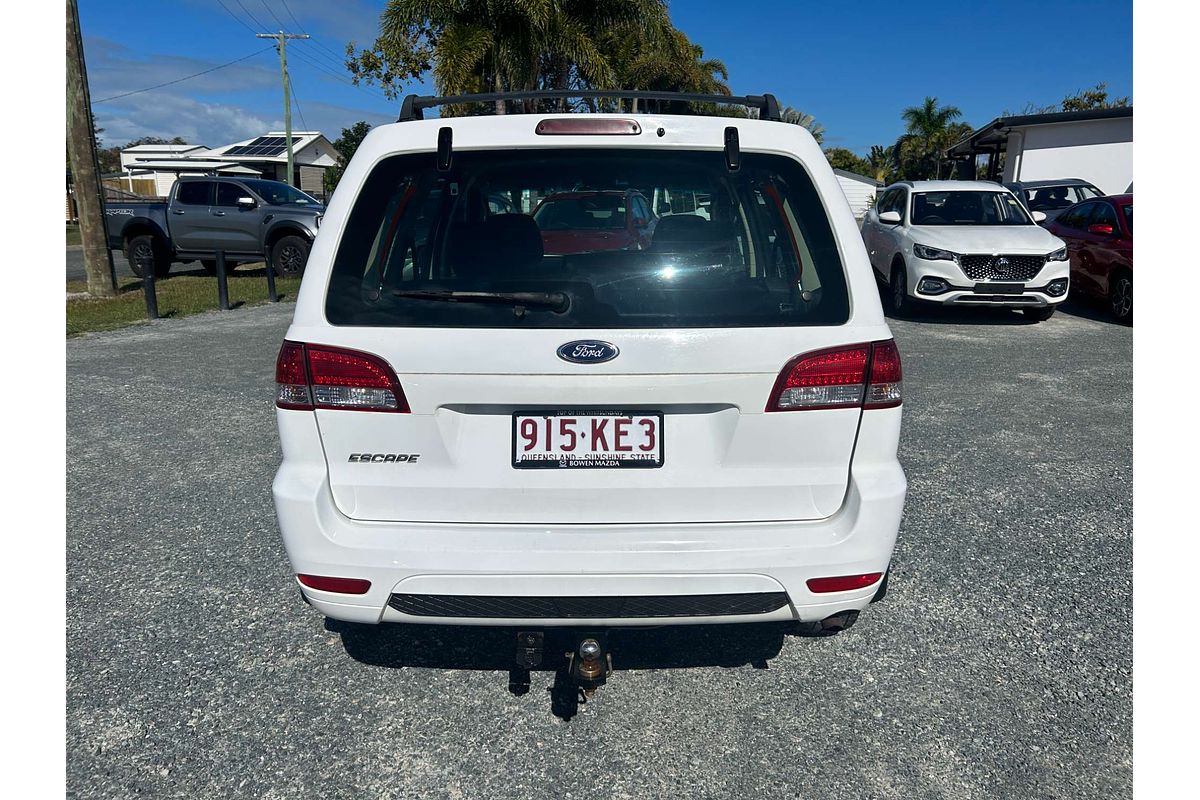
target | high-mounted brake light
x=340, y=585
x=309, y=376
x=582, y=126
x=861, y=375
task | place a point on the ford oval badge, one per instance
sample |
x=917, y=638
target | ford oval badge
x=588, y=352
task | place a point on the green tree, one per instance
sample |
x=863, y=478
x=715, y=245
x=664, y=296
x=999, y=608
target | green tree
x=797, y=117
x=881, y=163
x=841, y=158
x=1096, y=97
x=929, y=129
x=487, y=46
x=346, y=146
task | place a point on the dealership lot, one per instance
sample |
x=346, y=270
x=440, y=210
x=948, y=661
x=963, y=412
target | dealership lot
x=998, y=666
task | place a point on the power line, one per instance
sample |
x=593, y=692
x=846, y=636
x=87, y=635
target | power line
x=299, y=110
x=288, y=9
x=335, y=76
x=253, y=18
x=272, y=13
x=181, y=80
x=240, y=21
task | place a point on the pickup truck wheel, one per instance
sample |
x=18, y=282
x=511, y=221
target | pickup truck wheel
x=289, y=255
x=144, y=250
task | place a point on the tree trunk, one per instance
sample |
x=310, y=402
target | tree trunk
x=85, y=171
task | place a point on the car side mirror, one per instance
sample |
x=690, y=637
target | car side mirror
x=890, y=217
x=664, y=208
x=1039, y=217
x=246, y=202
x=1101, y=230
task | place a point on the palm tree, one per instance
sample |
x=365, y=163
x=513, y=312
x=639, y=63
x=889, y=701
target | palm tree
x=797, y=117
x=928, y=127
x=489, y=46
x=882, y=162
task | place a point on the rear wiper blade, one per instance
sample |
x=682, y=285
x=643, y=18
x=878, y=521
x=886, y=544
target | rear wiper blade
x=558, y=302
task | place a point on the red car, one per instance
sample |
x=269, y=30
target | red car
x=1099, y=237
x=584, y=222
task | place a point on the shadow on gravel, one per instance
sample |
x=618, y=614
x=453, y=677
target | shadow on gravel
x=1088, y=308
x=494, y=649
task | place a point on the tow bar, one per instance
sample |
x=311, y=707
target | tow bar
x=587, y=665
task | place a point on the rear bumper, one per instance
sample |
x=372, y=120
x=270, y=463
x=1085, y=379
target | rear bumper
x=588, y=561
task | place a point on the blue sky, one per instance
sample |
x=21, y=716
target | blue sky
x=852, y=65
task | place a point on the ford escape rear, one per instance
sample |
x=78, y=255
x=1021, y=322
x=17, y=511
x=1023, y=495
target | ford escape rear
x=698, y=425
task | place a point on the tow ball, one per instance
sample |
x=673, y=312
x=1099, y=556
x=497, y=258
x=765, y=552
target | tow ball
x=589, y=664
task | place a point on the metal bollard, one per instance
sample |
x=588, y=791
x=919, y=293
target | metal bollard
x=148, y=288
x=271, y=283
x=222, y=282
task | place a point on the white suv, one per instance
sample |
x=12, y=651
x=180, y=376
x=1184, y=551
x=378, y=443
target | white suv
x=477, y=431
x=965, y=243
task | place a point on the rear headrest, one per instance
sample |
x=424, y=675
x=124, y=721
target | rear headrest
x=503, y=244
x=682, y=232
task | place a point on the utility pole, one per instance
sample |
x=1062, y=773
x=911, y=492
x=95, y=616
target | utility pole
x=85, y=170
x=281, y=45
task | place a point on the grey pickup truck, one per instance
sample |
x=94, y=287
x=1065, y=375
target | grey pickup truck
x=247, y=219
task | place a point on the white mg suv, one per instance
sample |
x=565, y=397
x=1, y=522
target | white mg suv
x=479, y=429
x=964, y=243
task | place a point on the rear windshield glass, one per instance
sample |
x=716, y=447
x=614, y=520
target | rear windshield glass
x=587, y=239
x=968, y=208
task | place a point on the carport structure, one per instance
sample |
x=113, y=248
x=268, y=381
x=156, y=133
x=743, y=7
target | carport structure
x=1095, y=145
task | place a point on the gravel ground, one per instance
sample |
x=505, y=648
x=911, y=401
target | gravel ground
x=998, y=666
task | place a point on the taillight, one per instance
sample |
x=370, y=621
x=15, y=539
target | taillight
x=883, y=391
x=311, y=376
x=842, y=583
x=342, y=585
x=860, y=375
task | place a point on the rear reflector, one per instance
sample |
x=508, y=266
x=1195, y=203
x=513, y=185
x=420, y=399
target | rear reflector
x=860, y=375
x=340, y=585
x=842, y=583
x=582, y=126
x=311, y=376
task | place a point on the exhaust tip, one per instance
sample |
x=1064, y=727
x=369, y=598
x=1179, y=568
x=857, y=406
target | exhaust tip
x=835, y=623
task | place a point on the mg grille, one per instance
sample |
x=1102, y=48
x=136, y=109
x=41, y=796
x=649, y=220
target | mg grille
x=1002, y=268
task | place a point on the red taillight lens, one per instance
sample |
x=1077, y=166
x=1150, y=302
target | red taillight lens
x=884, y=389
x=838, y=378
x=824, y=379
x=842, y=583
x=291, y=379
x=318, y=376
x=340, y=585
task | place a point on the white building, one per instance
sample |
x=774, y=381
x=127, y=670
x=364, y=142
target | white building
x=860, y=190
x=259, y=157
x=1095, y=145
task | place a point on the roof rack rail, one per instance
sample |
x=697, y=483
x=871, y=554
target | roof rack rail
x=414, y=105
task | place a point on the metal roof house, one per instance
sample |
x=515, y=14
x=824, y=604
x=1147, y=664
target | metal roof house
x=261, y=156
x=1095, y=145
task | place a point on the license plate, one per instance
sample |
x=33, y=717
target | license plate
x=999, y=288
x=572, y=439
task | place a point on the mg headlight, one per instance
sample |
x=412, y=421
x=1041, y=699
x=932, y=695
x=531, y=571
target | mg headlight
x=1058, y=255
x=934, y=254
